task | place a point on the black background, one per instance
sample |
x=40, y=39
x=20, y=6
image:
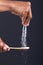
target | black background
x=10, y=32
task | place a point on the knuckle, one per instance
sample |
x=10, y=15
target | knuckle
x=29, y=3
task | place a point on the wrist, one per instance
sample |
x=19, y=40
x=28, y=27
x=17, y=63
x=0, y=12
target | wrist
x=4, y=6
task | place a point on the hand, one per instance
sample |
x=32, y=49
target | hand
x=3, y=46
x=22, y=9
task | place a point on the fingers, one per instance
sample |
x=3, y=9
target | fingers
x=6, y=47
x=26, y=18
x=3, y=46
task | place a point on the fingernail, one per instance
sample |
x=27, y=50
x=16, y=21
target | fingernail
x=4, y=48
x=8, y=49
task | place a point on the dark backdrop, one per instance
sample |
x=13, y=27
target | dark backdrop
x=10, y=32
